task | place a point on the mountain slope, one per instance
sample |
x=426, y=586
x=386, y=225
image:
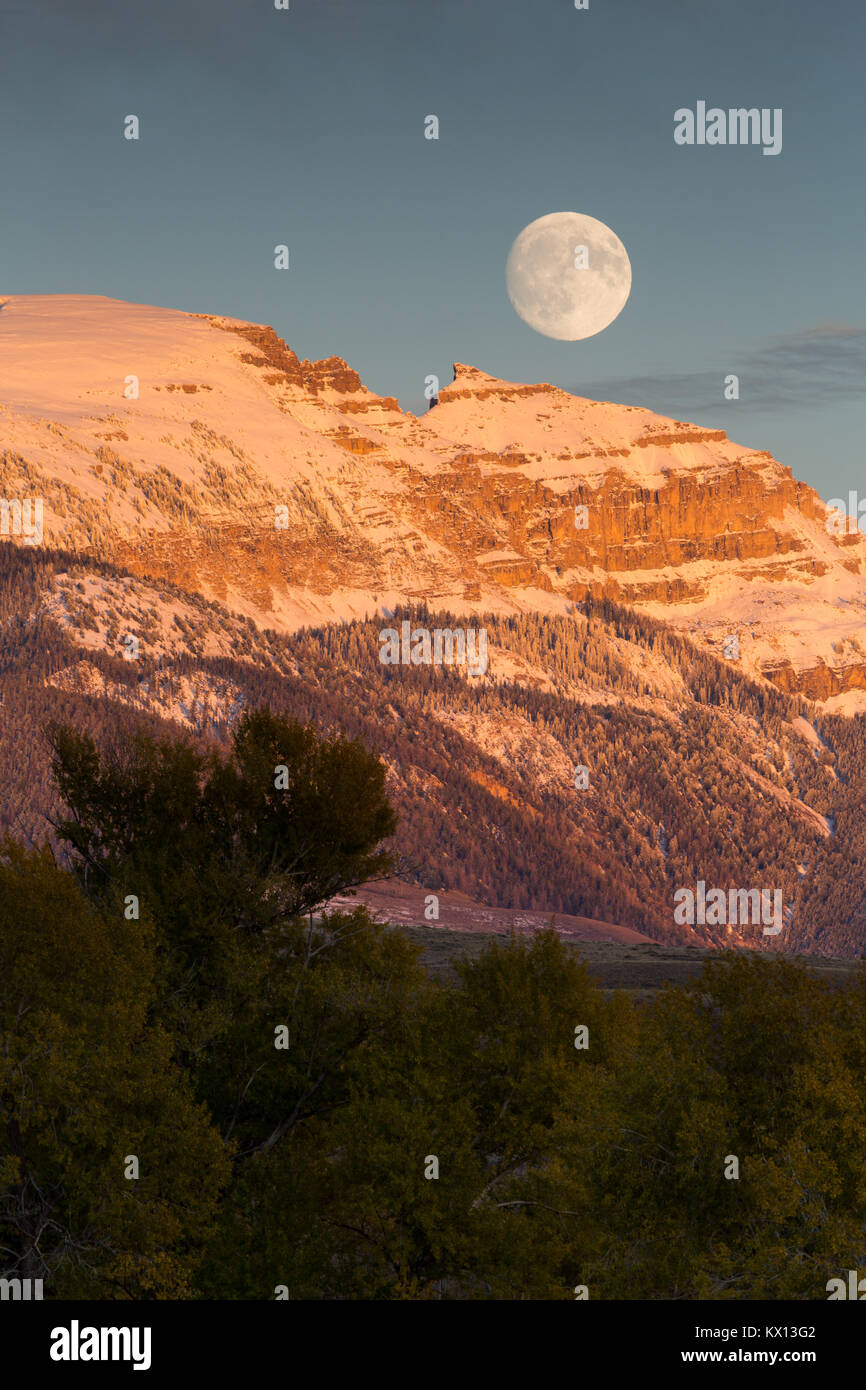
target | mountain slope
x=694, y=772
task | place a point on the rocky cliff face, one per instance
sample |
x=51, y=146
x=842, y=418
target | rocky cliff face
x=203, y=450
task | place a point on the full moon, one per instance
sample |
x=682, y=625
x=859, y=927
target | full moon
x=568, y=275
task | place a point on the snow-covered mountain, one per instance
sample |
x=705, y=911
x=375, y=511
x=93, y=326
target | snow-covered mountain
x=200, y=450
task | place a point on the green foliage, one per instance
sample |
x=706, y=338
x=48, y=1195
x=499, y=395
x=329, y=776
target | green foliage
x=86, y=1079
x=260, y=853
x=560, y=1167
x=411, y=1139
x=762, y=1062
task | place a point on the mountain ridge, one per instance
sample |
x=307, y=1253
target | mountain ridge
x=285, y=489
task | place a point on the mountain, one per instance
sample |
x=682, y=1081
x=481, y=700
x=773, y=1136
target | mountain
x=246, y=528
x=201, y=450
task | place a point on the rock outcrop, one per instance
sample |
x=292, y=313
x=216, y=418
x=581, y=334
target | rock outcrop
x=286, y=489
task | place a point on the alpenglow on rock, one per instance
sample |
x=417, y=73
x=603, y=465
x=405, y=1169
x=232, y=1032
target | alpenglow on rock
x=289, y=492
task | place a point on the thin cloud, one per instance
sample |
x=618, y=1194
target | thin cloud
x=814, y=367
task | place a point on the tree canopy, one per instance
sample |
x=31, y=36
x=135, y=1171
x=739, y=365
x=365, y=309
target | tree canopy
x=308, y=1109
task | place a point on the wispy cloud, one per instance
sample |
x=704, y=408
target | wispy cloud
x=813, y=367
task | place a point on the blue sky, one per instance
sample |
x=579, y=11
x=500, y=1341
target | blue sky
x=306, y=127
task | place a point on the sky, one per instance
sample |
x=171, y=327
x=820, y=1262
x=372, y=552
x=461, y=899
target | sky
x=305, y=127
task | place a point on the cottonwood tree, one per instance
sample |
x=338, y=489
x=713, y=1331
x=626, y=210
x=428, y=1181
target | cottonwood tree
x=87, y=1079
x=227, y=863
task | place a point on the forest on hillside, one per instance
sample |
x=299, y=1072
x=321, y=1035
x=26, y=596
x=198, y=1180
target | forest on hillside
x=695, y=772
